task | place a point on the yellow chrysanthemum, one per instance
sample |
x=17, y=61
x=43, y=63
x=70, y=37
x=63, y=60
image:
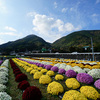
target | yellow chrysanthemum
x=45, y=79
x=55, y=88
x=44, y=70
x=50, y=73
x=37, y=75
x=72, y=83
x=90, y=92
x=33, y=71
x=73, y=95
x=59, y=77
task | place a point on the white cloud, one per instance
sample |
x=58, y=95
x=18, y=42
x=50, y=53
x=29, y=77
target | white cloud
x=94, y=15
x=8, y=33
x=2, y=7
x=55, y=4
x=10, y=29
x=97, y=1
x=50, y=28
x=64, y=10
x=31, y=14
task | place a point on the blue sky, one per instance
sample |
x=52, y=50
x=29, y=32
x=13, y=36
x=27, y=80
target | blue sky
x=49, y=19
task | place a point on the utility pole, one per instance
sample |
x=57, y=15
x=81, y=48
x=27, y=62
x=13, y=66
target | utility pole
x=92, y=48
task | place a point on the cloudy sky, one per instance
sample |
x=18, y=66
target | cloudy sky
x=49, y=19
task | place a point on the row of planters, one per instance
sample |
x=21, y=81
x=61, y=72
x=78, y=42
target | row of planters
x=76, y=90
x=29, y=92
x=4, y=80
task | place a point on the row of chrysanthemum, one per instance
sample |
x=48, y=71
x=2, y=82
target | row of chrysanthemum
x=3, y=81
x=54, y=87
x=29, y=92
x=71, y=62
x=95, y=73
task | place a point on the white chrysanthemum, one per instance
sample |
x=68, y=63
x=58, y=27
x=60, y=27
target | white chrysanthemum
x=79, y=70
x=5, y=63
x=76, y=67
x=95, y=73
x=68, y=67
x=5, y=96
x=3, y=73
x=2, y=88
x=58, y=64
x=63, y=65
x=86, y=70
x=3, y=69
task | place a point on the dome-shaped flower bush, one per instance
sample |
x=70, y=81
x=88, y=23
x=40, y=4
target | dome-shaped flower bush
x=50, y=73
x=61, y=71
x=32, y=93
x=97, y=84
x=55, y=69
x=41, y=65
x=5, y=96
x=44, y=70
x=68, y=67
x=39, y=68
x=33, y=71
x=29, y=69
x=55, y=88
x=48, y=67
x=72, y=83
x=17, y=72
x=70, y=73
x=2, y=88
x=23, y=85
x=90, y=92
x=4, y=69
x=45, y=79
x=37, y=75
x=95, y=73
x=84, y=78
x=20, y=77
x=59, y=77
x=73, y=95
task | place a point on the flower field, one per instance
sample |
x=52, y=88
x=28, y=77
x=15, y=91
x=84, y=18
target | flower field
x=49, y=79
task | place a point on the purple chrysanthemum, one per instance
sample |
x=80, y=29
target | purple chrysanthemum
x=62, y=71
x=48, y=67
x=84, y=78
x=70, y=73
x=97, y=84
x=55, y=69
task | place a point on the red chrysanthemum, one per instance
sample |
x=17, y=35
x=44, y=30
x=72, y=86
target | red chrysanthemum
x=32, y=93
x=20, y=77
x=23, y=85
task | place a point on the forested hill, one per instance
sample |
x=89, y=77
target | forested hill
x=77, y=40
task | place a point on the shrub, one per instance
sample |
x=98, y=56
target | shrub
x=37, y=75
x=73, y=95
x=45, y=79
x=32, y=93
x=55, y=69
x=89, y=92
x=48, y=67
x=70, y=73
x=44, y=70
x=62, y=71
x=50, y=73
x=59, y=77
x=72, y=83
x=97, y=84
x=20, y=77
x=84, y=78
x=23, y=85
x=55, y=88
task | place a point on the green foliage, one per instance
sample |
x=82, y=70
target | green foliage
x=77, y=40
x=31, y=42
